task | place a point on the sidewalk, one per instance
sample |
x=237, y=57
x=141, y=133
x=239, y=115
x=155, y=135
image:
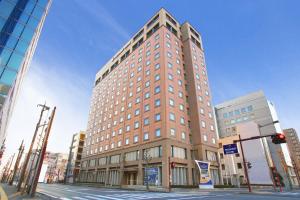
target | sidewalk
x=11, y=193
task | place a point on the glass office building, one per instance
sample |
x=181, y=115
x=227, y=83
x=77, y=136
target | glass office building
x=21, y=22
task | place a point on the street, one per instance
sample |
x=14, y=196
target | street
x=67, y=192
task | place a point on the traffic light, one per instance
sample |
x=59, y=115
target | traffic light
x=249, y=165
x=278, y=138
x=172, y=165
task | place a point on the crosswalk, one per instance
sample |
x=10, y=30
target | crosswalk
x=130, y=196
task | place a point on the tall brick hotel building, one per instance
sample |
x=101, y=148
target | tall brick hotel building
x=152, y=99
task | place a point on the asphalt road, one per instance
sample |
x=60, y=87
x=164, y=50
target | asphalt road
x=67, y=192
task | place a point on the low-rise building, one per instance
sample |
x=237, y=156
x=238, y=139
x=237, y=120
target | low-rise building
x=293, y=144
x=56, y=166
x=74, y=159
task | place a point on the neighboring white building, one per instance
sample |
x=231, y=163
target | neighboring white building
x=254, y=110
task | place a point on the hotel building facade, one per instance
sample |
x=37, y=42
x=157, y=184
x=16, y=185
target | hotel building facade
x=151, y=105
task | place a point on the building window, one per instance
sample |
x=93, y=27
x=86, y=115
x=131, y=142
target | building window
x=157, y=132
x=239, y=165
x=171, y=89
x=203, y=124
x=156, y=46
x=182, y=120
x=120, y=131
x=170, y=65
x=135, y=139
x=137, y=112
x=172, y=132
x=146, y=121
x=126, y=141
x=181, y=107
x=183, y=135
x=148, y=72
x=156, y=56
x=127, y=128
x=157, y=117
x=147, y=84
x=119, y=143
x=157, y=66
x=146, y=136
x=213, y=140
x=205, y=138
x=147, y=107
x=137, y=100
x=147, y=95
x=180, y=94
x=172, y=116
x=157, y=102
x=157, y=90
x=170, y=77
x=136, y=125
x=157, y=77
x=171, y=102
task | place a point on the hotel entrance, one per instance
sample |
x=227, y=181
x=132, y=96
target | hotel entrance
x=130, y=177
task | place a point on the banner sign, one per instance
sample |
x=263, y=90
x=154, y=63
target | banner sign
x=230, y=149
x=151, y=174
x=205, y=179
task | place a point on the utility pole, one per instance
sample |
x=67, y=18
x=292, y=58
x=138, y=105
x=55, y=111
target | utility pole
x=69, y=163
x=5, y=173
x=21, y=149
x=44, y=108
x=34, y=165
x=42, y=154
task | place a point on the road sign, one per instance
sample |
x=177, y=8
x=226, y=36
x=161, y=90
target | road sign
x=230, y=149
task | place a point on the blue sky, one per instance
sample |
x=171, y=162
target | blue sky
x=249, y=45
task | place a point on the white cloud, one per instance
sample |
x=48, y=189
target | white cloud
x=67, y=91
x=103, y=16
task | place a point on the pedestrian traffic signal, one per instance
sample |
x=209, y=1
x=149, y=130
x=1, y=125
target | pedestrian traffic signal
x=278, y=138
x=249, y=165
x=172, y=165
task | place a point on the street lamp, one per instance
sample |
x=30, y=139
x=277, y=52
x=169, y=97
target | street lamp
x=147, y=158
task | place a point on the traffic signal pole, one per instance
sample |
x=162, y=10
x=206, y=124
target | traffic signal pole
x=277, y=138
x=245, y=166
x=170, y=175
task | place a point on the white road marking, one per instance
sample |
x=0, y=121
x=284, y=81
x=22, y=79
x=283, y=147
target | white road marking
x=64, y=198
x=108, y=197
x=49, y=195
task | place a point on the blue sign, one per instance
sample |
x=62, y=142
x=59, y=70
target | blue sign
x=230, y=149
x=152, y=175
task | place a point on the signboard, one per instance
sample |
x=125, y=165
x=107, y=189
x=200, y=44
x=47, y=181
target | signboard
x=230, y=149
x=151, y=174
x=205, y=179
